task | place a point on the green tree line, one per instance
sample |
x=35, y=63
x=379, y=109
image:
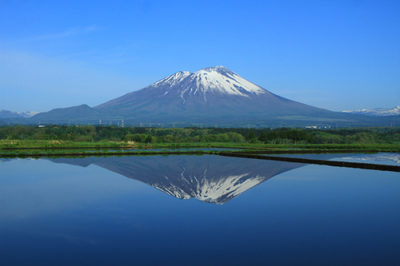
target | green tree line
x=186, y=135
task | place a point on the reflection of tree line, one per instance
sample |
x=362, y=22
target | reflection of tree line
x=212, y=179
x=177, y=135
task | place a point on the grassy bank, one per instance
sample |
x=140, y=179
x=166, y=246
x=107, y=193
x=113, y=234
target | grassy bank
x=26, y=148
x=63, y=144
x=90, y=140
x=263, y=153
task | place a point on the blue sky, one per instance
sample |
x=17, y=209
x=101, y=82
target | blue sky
x=333, y=54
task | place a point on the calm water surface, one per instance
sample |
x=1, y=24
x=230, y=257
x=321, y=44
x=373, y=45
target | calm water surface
x=195, y=210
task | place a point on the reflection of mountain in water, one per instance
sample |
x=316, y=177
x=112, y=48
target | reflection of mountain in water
x=209, y=178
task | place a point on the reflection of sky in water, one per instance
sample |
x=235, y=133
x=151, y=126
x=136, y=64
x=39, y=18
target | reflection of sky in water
x=35, y=187
x=373, y=158
x=59, y=212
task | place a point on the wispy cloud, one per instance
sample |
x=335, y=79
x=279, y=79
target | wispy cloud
x=66, y=33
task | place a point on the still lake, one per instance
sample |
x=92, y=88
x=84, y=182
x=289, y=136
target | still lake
x=196, y=210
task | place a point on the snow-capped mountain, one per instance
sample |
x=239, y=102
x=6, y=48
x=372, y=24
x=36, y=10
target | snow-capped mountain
x=27, y=114
x=377, y=111
x=187, y=177
x=213, y=95
x=208, y=97
x=5, y=114
x=185, y=89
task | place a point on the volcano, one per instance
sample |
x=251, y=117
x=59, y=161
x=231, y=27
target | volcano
x=208, y=97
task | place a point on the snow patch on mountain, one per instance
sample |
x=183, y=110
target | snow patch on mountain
x=27, y=114
x=211, y=190
x=225, y=188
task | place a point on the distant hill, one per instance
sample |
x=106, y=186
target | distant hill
x=213, y=96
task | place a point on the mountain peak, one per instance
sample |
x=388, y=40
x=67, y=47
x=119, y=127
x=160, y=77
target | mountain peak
x=211, y=80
